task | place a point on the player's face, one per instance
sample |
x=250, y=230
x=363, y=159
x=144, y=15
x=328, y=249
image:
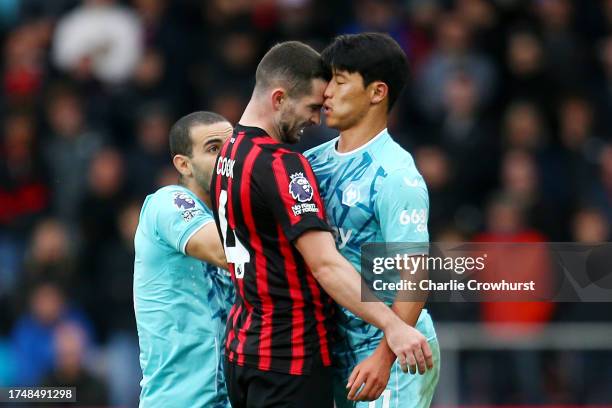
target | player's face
x=299, y=113
x=207, y=141
x=346, y=100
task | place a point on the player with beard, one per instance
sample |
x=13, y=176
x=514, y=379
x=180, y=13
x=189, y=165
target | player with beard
x=181, y=303
x=282, y=256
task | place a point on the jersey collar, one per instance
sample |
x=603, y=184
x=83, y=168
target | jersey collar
x=381, y=136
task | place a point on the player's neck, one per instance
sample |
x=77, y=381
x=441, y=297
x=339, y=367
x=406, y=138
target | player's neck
x=253, y=117
x=198, y=191
x=360, y=134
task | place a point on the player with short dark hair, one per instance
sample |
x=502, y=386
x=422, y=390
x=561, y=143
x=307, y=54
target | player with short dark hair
x=375, y=56
x=280, y=250
x=180, y=133
x=372, y=192
x=291, y=65
x=181, y=303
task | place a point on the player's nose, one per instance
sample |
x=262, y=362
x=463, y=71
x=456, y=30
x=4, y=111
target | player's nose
x=328, y=93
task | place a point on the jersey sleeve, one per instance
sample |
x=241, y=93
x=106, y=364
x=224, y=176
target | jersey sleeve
x=292, y=194
x=180, y=215
x=402, y=208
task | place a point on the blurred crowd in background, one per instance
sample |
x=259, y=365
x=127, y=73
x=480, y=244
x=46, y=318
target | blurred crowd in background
x=508, y=115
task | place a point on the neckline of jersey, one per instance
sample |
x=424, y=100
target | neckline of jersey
x=353, y=152
x=253, y=131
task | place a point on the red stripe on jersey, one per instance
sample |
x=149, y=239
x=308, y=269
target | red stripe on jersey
x=297, y=315
x=234, y=312
x=267, y=140
x=282, y=182
x=261, y=272
x=318, y=308
x=264, y=140
x=313, y=182
x=235, y=321
x=241, y=336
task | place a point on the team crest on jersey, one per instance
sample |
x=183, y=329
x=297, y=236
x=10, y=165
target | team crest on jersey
x=350, y=195
x=299, y=188
x=183, y=201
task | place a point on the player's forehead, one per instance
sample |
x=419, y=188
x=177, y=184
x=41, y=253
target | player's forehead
x=340, y=72
x=316, y=92
x=203, y=133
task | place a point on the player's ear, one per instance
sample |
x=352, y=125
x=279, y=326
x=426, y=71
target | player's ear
x=182, y=165
x=378, y=91
x=278, y=96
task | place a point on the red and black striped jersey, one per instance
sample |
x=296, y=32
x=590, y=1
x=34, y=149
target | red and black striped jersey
x=265, y=196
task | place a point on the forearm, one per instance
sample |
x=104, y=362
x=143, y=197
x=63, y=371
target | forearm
x=206, y=246
x=209, y=255
x=343, y=284
x=340, y=279
x=409, y=313
x=217, y=258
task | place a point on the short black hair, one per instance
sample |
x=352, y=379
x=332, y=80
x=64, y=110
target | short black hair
x=292, y=64
x=180, y=136
x=376, y=56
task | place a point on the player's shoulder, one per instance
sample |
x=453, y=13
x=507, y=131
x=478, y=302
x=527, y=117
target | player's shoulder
x=392, y=157
x=274, y=154
x=399, y=166
x=173, y=197
x=172, y=192
x=321, y=150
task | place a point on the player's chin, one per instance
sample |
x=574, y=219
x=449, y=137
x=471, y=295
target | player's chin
x=331, y=122
x=295, y=136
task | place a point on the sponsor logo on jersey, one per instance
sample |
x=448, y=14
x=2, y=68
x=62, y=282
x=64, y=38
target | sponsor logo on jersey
x=343, y=235
x=416, y=217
